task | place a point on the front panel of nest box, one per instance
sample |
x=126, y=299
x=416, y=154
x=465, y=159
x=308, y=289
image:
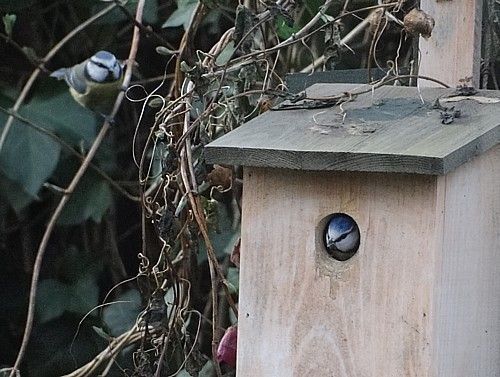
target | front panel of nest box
x=316, y=302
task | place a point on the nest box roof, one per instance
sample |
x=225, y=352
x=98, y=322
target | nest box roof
x=387, y=130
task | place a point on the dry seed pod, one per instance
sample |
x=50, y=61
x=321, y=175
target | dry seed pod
x=220, y=176
x=417, y=22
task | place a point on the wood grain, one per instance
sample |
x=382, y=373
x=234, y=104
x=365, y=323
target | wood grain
x=417, y=298
x=390, y=131
x=453, y=52
x=468, y=301
x=305, y=314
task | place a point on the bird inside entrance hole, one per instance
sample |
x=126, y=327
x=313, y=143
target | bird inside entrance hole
x=94, y=83
x=342, y=236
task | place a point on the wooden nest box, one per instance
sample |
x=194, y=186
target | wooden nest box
x=421, y=294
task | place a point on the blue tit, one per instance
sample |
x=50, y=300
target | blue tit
x=94, y=83
x=341, y=236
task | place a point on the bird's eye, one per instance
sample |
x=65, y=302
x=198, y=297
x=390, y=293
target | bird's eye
x=341, y=236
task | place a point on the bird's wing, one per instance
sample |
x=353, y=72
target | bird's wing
x=74, y=77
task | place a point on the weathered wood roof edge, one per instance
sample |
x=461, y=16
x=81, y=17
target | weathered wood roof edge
x=413, y=142
x=326, y=161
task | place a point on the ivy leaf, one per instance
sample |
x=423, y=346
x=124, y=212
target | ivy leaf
x=28, y=158
x=84, y=294
x=162, y=50
x=121, y=316
x=54, y=109
x=55, y=297
x=52, y=351
x=31, y=53
x=8, y=21
x=52, y=297
x=225, y=54
x=103, y=334
x=90, y=200
x=182, y=15
x=233, y=278
x=283, y=27
x=208, y=370
x=14, y=194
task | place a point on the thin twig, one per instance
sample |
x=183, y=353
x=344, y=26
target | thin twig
x=74, y=182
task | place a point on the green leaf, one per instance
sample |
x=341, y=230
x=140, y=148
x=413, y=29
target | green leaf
x=8, y=21
x=162, y=50
x=84, y=294
x=75, y=264
x=90, y=200
x=283, y=29
x=233, y=278
x=225, y=54
x=30, y=53
x=51, y=299
x=103, y=334
x=121, y=316
x=55, y=297
x=74, y=290
x=28, y=158
x=208, y=370
x=14, y=194
x=182, y=15
x=54, y=108
x=52, y=351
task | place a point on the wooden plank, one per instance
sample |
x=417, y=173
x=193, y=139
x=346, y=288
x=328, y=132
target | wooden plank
x=305, y=314
x=297, y=82
x=389, y=131
x=468, y=300
x=453, y=52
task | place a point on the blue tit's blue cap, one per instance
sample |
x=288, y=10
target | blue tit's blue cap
x=104, y=57
x=342, y=223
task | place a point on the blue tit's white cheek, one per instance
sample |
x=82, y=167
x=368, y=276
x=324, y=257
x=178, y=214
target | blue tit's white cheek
x=348, y=243
x=331, y=235
x=96, y=73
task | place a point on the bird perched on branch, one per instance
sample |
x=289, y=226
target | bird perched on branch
x=95, y=82
x=342, y=236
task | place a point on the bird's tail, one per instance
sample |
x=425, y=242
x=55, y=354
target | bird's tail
x=60, y=74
